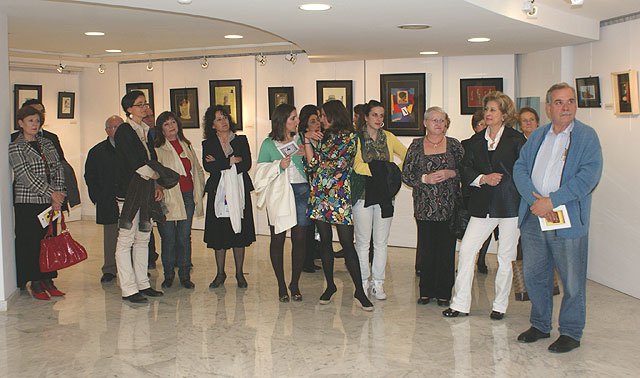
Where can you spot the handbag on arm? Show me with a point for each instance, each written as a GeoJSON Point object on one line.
{"type": "Point", "coordinates": [60, 251]}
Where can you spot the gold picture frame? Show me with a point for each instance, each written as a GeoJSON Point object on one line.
{"type": "Point", "coordinates": [625, 92]}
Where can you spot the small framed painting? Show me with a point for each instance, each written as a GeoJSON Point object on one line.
{"type": "Point", "coordinates": [66, 105]}
{"type": "Point", "coordinates": [147, 89]}
{"type": "Point", "coordinates": [22, 93]}
{"type": "Point", "coordinates": [228, 93]}
{"type": "Point", "coordinates": [184, 104]}
{"type": "Point", "coordinates": [404, 101]}
{"type": "Point", "coordinates": [342, 90]}
{"type": "Point", "coordinates": [472, 91]}
{"type": "Point", "coordinates": [625, 92]}
{"type": "Point", "coordinates": [588, 89]}
{"type": "Point", "coordinates": [279, 95]}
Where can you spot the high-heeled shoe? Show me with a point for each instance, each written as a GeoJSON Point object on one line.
{"type": "Point", "coordinates": [295, 294]}
{"type": "Point", "coordinates": [364, 302]}
{"type": "Point", "coordinates": [38, 291]}
{"type": "Point", "coordinates": [218, 281]}
{"type": "Point", "coordinates": [51, 288]}
{"type": "Point", "coordinates": [325, 298]}
{"type": "Point", "coordinates": [242, 283]}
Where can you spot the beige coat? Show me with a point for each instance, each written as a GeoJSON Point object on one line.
{"type": "Point", "coordinates": [168, 157]}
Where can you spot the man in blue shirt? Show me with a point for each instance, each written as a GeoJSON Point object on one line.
{"type": "Point", "coordinates": [560, 164]}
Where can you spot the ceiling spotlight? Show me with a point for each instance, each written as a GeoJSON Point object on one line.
{"type": "Point", "coordinates": [204, 63]}
{"type": "Point", "coordinates": [113, 50]}
{"type": "Point", "coordinates": [414, 26]}
{"type": "Point", "coordinates": [315, 7]}
{"type": "Point", "coordinates": [150, 65]}
{"type": "Point", "coordinates": [479, 39]}
{"type": "Point", "coordinates": [291, 57]}
{"type": "Point", "coordinates": [233, 36]}
{"type": "Point", "coordinates": [60, 67]}
{"type": "Point", "coordinates": [101, 69]}
{"type": "Point", "coordinates": [428, 53]}
{"type": "Point", "coordinates": [94, 33]}
{"type": "Point", "coordinates": [577, 2]}
{"type": "Point", "coordinates": [184, 2]}
{"type": "Point", "coordinates": [262, 59]}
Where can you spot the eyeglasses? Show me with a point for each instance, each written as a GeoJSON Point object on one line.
{"type": "Point", "coordinates": [143, 105]}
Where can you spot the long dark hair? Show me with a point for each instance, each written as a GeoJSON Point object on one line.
{"type": "Point", "coordinates": [162, 118]}
{"type": "Point", "coordinates": [279, 122]}
{"type": "Point", "coordinates": [305, 113]}
{"type": "Point", "coordinates": [210, 116]}
{"type": "Point", "coordinates": [338, 117]}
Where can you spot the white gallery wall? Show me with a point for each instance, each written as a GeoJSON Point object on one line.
{"type": "Point", "coordinates": [613, 254]}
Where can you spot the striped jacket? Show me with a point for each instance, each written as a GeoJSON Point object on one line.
{"type": "Point", "coordinates": [30, 175]}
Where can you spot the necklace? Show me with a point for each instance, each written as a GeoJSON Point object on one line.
{"type": "Point", "coordinates": [435, 145]}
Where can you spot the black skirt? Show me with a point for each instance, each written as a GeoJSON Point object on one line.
{"type": "Point", "coordinates": [218, 233]}
{"type": "Point", "coordinates": [29, 232]}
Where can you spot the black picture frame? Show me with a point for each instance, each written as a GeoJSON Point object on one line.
{"type": "Point", "coordinates": [147, 89]}
{"type": "Point", "coordinates": [279, 95]}
{"type": "Point", "coordinates": [588, 91]}
{"type": "Point", "coordinates": [327, 90]}
{"type": "Point", "coordinates": [66, 105]}
{"type": "Point", "coordinates": [404, 101]}
{"type": "Point", "coordinates": [184, 104]}
{"type": "Point", "coordinates": [473, 90]}
{"type": "Point", "coordinates": [228, 93]}
{"type": "Point", "coordinates": [22, 93]}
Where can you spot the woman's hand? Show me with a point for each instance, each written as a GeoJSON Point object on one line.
{"type": "Point", "coordinates": [492, 179]}
{"type": "Point", "coordinates": [315, 135]}
{"type": "Point", "coordinates": [284, 163]}
{"type": "Point", "coordinates": [57, 198]}
{"type": "Point", "coordinates": [159, 194]}
{"type": "Point", "coordinates": [209, 159]}
{"type": "Point", "coordinates": [235, 159]}
{"type": "Point", "coordinates": [438, 176]}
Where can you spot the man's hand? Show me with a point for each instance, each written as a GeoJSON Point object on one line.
{"type": "Point", "coordinates": [543, 207]}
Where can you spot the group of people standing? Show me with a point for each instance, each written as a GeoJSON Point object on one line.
{"type": "Point", "coordinates": [332, 170]}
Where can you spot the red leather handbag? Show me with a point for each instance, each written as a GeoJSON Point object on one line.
{"type": "Point", "coordinates": [60, 251]}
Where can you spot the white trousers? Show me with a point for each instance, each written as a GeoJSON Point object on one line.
{"type": "Point", "coordinates": [132, 262]}
{"type": "Point", "coordinates": [477, 232]}
{"type": "Point", "coordinates": [368, 220]}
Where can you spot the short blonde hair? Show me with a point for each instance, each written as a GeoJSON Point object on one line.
{"type": "Point", "coordinates": [505, 104]}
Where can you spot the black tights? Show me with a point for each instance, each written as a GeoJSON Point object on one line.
{"type": "Point", "coordinates": [238, 256]}
{"type": "Point", "coordinates": [345, 235]}
{"type": "Point", "coordinates": [276, 252]}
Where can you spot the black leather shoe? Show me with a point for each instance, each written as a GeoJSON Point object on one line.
{"type": "Point", "coordinates": [107, 277]}
{"type": "Point", "coordinates": [483, 269]}
{"type": "Point", "coordinates": [449, 313]}
{"type": "Point", "coordinates": [495, 315]}
{"type": "Point", "coordinates": [284, 298]}
{"type": "Point", "coordinates": [532, 335]}
{"type": "Point", "coordinates": [187, 284]}
{"type": "Point", "coordinates": [135, 298]}
{"type": "Point", "coordinates": [424, 300]}
{"type": "Point", "coordinates": [150, 292]}
{"type": "Point", "coordinates": [444, 302]}
{"type": "Point", "coordinates": [218, 281]}
{"type": "Point", "coordinates": [167, 283]}
{"type": "Point", "coordinates": [564, 344]}
{"type": "Point", "coordinates": [242, 283]}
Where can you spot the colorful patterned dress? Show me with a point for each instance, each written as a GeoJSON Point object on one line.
{"type": "Point", "coordinates": [332, 162]}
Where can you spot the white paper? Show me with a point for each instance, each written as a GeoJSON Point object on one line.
{"type": "Point", "coordinates": [289, 148]}
{"type": "Point", "coordinates": [564, 220]}
{"type": "Point", "coordinates": [43, 217]}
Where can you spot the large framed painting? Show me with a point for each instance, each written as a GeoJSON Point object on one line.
{"type": "Point", "coordinates": [279, 95]}
{"type": "Point", "coordinates": [472, 91]}
{"type": "Point", "coordinates": [342, 90]}
{"type": "Point", "coordinates": [184, 104]}
{"type": "Point", "coordinates": [22, 93]}
{"type": "Point", "coordinates": [228, 93]}
{"type": "Point", "coordinates": [66, 105]}
{"type": "Point", "coordinates": [588, 89]}
{"type": "Point", "coordinates": [625, 92]}
{"type": "Point", "coordinates": [147, 89]}
{"type": "Point", "coordinates": [403, 97]}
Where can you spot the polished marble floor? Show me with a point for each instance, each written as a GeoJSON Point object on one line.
{"type": "Point", "coordinates": [231, 332]}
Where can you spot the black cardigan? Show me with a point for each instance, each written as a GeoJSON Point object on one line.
{"type": "Point", "coordinates": [213, 147]}
{"type": "Point", "coordinates": [130, 155]}
{"type": "Point", "coordinates": [503, 200]}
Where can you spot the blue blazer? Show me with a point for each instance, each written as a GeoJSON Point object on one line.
{"type": "Point", "coordinates": [581, 173]}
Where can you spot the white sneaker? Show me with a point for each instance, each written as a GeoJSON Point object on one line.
{"type": "Point", "coordinates": [378, 292]}
{"type": "Point", "coordinates": [366, 285]}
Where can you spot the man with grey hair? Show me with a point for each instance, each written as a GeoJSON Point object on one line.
{"type": "Point", "coordinates": [99, 173]}
{"type": "Point", "coordinates": [560, 165]}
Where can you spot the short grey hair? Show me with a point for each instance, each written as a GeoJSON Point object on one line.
{"type": "Point", "coordinates": [435, 109]}
{"type": "Point", "coordinates": [556, 87]}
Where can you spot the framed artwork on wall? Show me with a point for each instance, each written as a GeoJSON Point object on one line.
{"type": "Point", "coordinates": [279, 95]}
{"type": "Point", "coordinates": [22, 93]}
{"type": "Point", "coordinates": [342, 90]}
{"type": "Point", "coordinates": [404, 101]}
{"type": "Point", "coordinates": [588, 91]}
{"type": "Point", "coordinates": [147, 89]}
{"type": "Point", "coordinates": [184, 104]}
{"type": "Point", "coordinates": [472, 91]}
{"type": "Point", "coordinates": [625, 92]}
{"type": "Point", "coordinates": [228, 93]}
{"type": "Point", "coordinates": [66, 105]}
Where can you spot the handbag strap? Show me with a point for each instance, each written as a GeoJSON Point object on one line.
{"type": "Point", "coordinates": [63, 225]}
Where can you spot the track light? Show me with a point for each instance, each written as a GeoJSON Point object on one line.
{"type": "Point", "coordinates": [150, 65]}
{"type": "Point", "coordinates": [60, 67]}
{"type": "Point", "coordinates": [529, 8]}
{"type": "Point", "coordinates": [262, 59]}
{"type": "Point", "coordinates": [204, 63]}
{"type": "Point", "coordinates": [101, 69]}
{"type": "Point", "coordinates": [291, 57]}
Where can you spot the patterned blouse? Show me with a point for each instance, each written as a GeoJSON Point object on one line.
{"type": "Point", "coordinates": [433, 202]}
{"type": "Point", "coordinates": [332, 163]}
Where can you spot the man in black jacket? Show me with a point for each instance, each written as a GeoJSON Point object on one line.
{"type": "Point", "coordinates": [99, 174]}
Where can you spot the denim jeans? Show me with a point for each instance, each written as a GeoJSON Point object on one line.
{"type": "Point", "coordinates": [176, 242]}
{"type": "Point", "coordinates": [542, 251]}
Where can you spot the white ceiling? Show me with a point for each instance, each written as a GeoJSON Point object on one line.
{"type": "Point", "coordinates": [351, 30]}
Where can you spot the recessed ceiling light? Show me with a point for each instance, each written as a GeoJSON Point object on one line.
{"type": "Point", "coordinates": [414, 26]}
{"type": "Point", "coordinates": [233, 36]}
{"type": "Point", "coordinates": [94, 33]}
{"type": "Point", "coordinates": [113, 51]}
{"type": "Point", "coordinates": [479, 39]}
{"type": "Point", "coordinates": [428, 53]}
{"type": "Point", "coordinates": [315, 7]}
{"type": "Point", "coordinates": [184, 2]}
